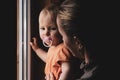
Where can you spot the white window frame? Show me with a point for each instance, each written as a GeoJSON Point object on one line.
{"type": "Point", "coordinates": [23, 39]}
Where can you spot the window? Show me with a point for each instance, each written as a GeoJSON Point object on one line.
{"type": "Point", "coordinates": [23, 37]}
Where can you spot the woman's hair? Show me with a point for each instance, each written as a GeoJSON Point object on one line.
{"type": "Point", "coordinates": [69, 15]}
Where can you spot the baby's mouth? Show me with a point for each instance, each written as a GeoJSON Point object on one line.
{"type": "Point", "coordinates": [47, 41]}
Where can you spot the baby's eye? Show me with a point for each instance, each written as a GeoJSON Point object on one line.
{"type": "Point", "coordinates": [42, 28]}
{"type": "Point", "coordinates": [53, 28]}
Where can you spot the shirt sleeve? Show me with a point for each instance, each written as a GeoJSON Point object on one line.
{"type": "Point", "coordinates": [63, 55]}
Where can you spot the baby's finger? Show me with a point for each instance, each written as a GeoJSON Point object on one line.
{"type": "Point", "coordinates": [31, 43]}
{"type": "Point", "coordinates": [47, 77]}
{"type": "Point", "coordinates": [34, 40]}
{"type": "Point", "coordinates": [51, 76]}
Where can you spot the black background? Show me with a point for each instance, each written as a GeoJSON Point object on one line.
{"type": "Point", "coordinates": [100, 16]}
{"type": "Point", "coordinates": [8, 39]}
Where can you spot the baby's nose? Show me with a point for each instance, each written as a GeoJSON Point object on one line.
{"type": "Point", "coordinates": [47, 32]}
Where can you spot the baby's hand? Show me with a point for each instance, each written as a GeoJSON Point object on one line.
{"type": "Point", "coordinates": [49, 77]}
{"type": "Point", "coordinates": [34, 44]}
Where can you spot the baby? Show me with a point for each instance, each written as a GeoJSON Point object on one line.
{"type": "Point", "coordinates": [59, 60]}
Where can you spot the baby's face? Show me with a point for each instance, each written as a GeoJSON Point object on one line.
{"type": "Point", "coordinates": [48, 30]}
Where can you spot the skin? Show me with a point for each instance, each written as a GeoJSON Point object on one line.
{"type": "Point", "coordinates": [48, 28]}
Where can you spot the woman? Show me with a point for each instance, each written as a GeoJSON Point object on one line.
{"type": "Point", "coordinates": [69, 25]}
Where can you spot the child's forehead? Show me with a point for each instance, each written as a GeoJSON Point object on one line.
{"type": "Point", "coordinates": [46, 19]}
{"type": "Point", "coordinates": [46, 14]}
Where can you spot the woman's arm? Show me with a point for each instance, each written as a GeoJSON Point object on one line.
{"type": "Point", "coordinates": [65, 75]}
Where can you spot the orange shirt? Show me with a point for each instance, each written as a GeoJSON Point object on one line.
{"type": "Point", "coordinates": [55, 56]}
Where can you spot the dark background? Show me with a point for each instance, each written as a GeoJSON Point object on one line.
{"type": "Point", "coordinates": [101, 20]}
